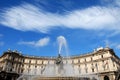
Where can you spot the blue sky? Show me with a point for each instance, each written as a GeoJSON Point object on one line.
{"type": "Point", "coordinates": [33, 26]}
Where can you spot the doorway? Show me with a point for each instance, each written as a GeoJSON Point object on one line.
{"type": "Point", "coordinates": [106, 78]}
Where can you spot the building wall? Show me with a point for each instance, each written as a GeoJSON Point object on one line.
{"type": "Point", "coordinates": [102, 62]}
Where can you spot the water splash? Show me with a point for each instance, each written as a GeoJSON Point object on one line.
{"type": "Point", "coordinates": [62, 43]}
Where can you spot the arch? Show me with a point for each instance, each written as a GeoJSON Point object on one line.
{"type": "Point", "coordinates": [118, 77]}
{"type": "Point", "coordinates": [118, 74]}
{"type": "Point", "coordinates": [106, 78]}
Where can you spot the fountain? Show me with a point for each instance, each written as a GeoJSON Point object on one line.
{"type": "Point", "coordinates": [56, 71]}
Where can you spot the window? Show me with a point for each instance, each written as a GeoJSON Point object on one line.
{"type": "Point", "coordinates": [23, 60]}
{"type": "Point", "coordinates": [86, 70]}
{"type": "Point", "coordinates": [85, 59]}
{"type": "Point", "coordinates": [78, 60]}
{"type": "Point", "coordinates": [113, 64]}
{"type": "Point", "coordinates": [101, 56]}
{"type": "Point", "coordinates": [92, 65]}
{"type": "Point", "coordinates": [79, 69]}
{"type": "Point", "coordinates": [10, 69]}
{"type": "Point", "coordinates": [29, 66]}
{"type": "Point", "coordinates": [22, 71]}
{"type": "Point", "coordinates": [103, 61]}
{"type": "Point", "coordinates": [85, 65]}
{"type": "Point", "coordinates": [92, 69]}
{"type": "Point", "coordinates": [12, 63]}
{"type": "Point", "coordinates": [29, 61]}
{"type": "Point", "coordinates": [103, 65]}
{"type": "Point", "coordinates": [91, 58]}
{"type": "Point", "coordinates": [13, 58]}
{"type": "Point", "coordinates": [96, 65]}
{"type": "Point", "coordinates": [36, 62]}
{"type": "Point", "coordinates": [42, 62]}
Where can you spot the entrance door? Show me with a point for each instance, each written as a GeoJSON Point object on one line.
{"type": "Point", "coordinates": [9, 77]}
{"type": "Point", "coordinates": [106, 78]}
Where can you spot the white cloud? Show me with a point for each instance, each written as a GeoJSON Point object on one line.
{"type": "Point", "coordinates": [30, 18]}
{"type": "Point", "coordinates": [43, 42]}
{"type": "Point", "coordinates": [40, 43]}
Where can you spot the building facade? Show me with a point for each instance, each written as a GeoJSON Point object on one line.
{"type": "Point", "coordinates": [102, 62]}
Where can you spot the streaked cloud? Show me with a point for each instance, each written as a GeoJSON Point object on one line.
{"type": "Point", "coordinates": [27, 17]}
{"type": "Point", "coordinates": [40, 43]}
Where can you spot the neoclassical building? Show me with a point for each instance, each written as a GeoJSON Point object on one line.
{"type": "Point", "coordinates": [102, 62]}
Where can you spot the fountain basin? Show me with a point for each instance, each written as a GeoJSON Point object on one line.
{"type": "Point", "coordinates": [61, 78]}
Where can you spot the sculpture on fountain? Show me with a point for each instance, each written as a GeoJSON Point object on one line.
{"type": "Point", "coordinates": [59, 60]}
{"type": "Point", "coordinates": [59, 65]}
